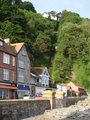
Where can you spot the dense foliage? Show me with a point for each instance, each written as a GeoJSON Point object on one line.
{"type": "Point", "coordinates": [20, 22]}
{"type": "Point", "coordinates": [72, 60]}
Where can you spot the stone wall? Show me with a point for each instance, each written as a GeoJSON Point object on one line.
{"type": "Point", "coordinates": [65, 102]}
{"type": "Point", "coordinates": [20, 109]}
{"type": "Point", "coordinates": [73, 100]}
{"type": "Point", "coordinates": [57, 99]}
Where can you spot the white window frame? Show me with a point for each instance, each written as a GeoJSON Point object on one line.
{"type": "Point", "coordinates": [13, 61]}
{"type": "Point", "coordinates": [6, 58]}
{"type": "Point", "coordinates": [6, 74]}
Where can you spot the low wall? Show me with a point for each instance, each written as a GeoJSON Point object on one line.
{"type": "Point", "coordinates": [73, 100]}
{"type": "Point", "coordinates": [20, 109]}
{"type": "Point", "coordinates": [65, 102]}
{"type": "Point", "coordinates": [57, 99]}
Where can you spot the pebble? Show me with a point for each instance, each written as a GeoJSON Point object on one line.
{"type": "Point", "coordinates": [79, 111]}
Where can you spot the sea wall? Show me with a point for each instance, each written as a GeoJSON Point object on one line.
{"type": "Point", "coordinates": [20, 109]}
{"type": "Point", "coordinates": [73, 100]}
{"type": "Point", "coordinates": [65, 102]}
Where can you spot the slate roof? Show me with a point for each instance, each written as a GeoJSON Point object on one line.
{"type": "Point", "coordinates": [37, 70]}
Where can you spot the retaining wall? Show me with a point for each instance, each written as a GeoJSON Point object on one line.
{"type": "Point", "coordinates": [65, 102]}
{"type": "Point", "coordinates": [73, 100]}
{"type": "Point", "coordinates": [20, 109]}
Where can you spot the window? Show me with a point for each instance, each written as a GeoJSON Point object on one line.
{"type": "Point", "coordinates": [46, 73]}
{"type": "Point", "coordinates": [6, 58]}
{"type": "Point", "coordinates": [13, 61]}
{"type": "Point", "coordinates": [21, 64]}
{"type": "Point", "coordinates": [6, 74]}
{"type": "Point", "coordinates": [1, 43]}
{"type": "Point", "coordinates": [4, 94]}
{"type": "Point", "coordinates": [24, 52]}
{"type": "Point", "coordinates": [20, 77]}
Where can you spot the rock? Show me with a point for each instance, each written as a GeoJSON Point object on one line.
{"type": "Point", "coordinates": [79, 111]}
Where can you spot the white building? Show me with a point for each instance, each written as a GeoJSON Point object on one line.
{"type": "Point", "coordinates": [46, 15]}
{"type": "Point", "coordinates": [62, 88]}
{"type": "Point", "coordinates": [39, 78]}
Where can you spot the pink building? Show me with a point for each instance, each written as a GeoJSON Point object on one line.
{"type": "Point", "coordinates": [76, 88]}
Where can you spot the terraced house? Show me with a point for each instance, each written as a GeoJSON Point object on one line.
{"type": "Point", "coordinates": [40, 78]}
{"type": "Point", "coordinates": [23, 70]}
{"type": "Point", "coordinates": [7, 71]}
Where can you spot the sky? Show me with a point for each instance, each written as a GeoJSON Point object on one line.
{"type": "Point", "coordinates": [82, 7]}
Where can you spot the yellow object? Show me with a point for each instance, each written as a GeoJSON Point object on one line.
{"type": "Point", "coordinates": [48, 92]}
{"type": "Point", "coordinates": [60, 93]}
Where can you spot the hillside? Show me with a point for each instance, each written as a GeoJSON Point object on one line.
{"type": "Point", "coordinates": [72, 59]}
{"type": "Point", "coordinates": [20, 22]}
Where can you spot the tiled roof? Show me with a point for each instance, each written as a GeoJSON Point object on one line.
{"type": "Point", "coordinates": [17, 46]}
{"type": "Point", "coordinates": [74, 84]}
{"type": "Point", "coordinates": [8, 49]}
{"type": "Point", "coordinates": [37, 70]}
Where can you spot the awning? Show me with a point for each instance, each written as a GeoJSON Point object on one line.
{"type": "Point", "coordinates": [8, 87]}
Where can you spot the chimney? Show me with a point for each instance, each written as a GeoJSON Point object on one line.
{"type": "Point", "coordinates": [7, 40]}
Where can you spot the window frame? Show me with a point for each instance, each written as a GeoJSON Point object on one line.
{"type": "Point", "coordinates": [6, 58]}
{"type": "Point", "coordinates": [5, 74]}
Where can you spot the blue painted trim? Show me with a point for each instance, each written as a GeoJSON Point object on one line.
{"type": "Point", "coordinates": [23, 87]}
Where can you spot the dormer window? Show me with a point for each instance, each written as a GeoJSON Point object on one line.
{"type": "Point", "coordinates": [1, 43]}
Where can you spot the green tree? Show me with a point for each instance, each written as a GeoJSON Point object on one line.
{"type": "Point", "coordinates": [68, 16]}
{"type": "Point", "coordinates": [73, 50]}
{"type": "Point", "coordinates": [27, 6]}
{"type": "Point", "coordinates": [12, 31]}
